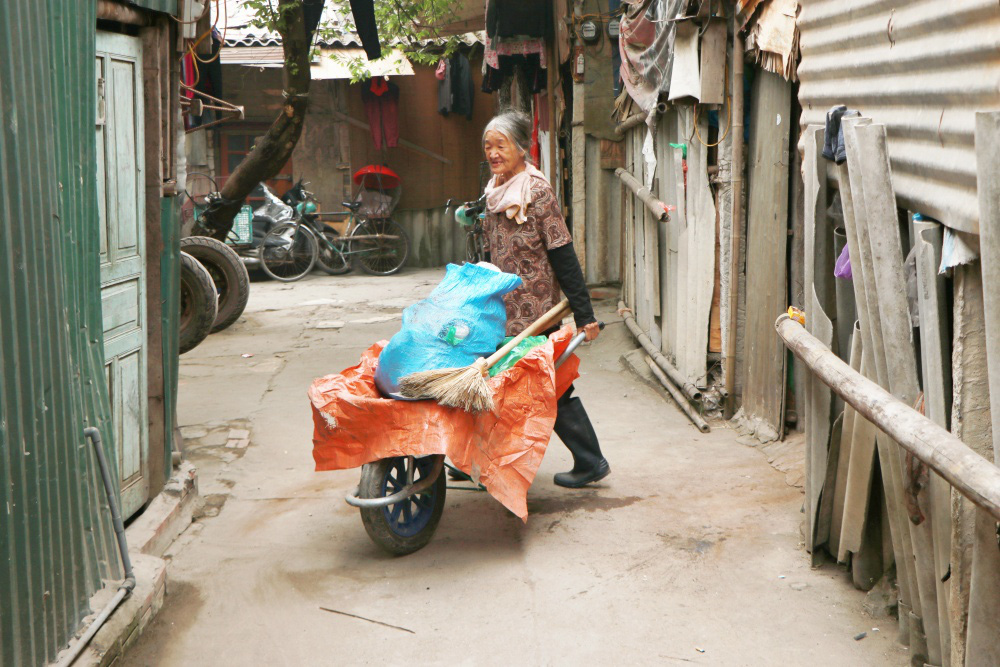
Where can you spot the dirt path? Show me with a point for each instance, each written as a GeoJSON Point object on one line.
{"type": "Point", "coordinates": [688, 553]}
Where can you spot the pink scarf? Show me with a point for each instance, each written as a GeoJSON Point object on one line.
{"type": "Point", "coordinates": [512, 197]}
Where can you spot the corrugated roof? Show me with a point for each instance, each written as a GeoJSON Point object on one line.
{"type": "Point", "coordinates": [922, 69]}
{"type": "Point", "coordinates": [236, 25]}
{"type": "Point", "coordinates": [240, 33]}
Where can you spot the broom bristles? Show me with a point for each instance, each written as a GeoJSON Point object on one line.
{"type": "Point", "coordinates": [466, 388]}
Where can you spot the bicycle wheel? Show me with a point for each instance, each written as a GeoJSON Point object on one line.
{"type": "Point", "coordinates": [331, 257]}
{"type": "Point", "coordinates": [288, 252]}
{"type": "Point", "coordinates": [382, 248]}
{"type": "Point", "coordinates": [474, 247]}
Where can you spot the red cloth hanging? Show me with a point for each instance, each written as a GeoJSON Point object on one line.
{"type": "Point", "coordinates": [536, 150]}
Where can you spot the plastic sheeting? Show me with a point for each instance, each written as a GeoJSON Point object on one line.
{"type": "Point", "coordinates": [462, 319]}
{"type": "Point", "coordinates": [646, 43]}
{"type": "Point", "coordinates": [354, 425]}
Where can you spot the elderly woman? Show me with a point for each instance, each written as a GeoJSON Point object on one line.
{"type": "Point", "coordinates": [527, 235]}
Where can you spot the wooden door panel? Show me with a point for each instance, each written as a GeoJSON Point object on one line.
{"type": "Point", "coordinates": [122, 220]}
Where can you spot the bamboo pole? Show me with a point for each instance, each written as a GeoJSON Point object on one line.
{"type": "Point", "coordinates": [655, 206]}
{"type": "Point", "coordinates": [678, 397]}
{"type": "Point", "coordinates": [361, 125]}
{"type": "Point", "coordinates": [736, 168]}
{"type": "Point", "coordinates": [675, 376]}
{"type": "Point", "coordinates": [969, 473]}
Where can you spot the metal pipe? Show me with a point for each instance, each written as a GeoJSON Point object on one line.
{"type": "Point", "coordinates": [637, 120]}
{"type": "Point", "coordinates": [969, 473]}
{"type": "Point", "coordinates": [691, 391]}
{"type": "Point", "coordinates": [128, 584]}
{"type": "Point", "coordinates": [736, 167]}
{"type": "Point", "coordinates": [401, 495]}
{"type": "Point", "coordinates": [659, 210]}
{"type": "Point", "coordinates": [675, 394]}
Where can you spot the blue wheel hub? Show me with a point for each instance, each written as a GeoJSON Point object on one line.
{"type": "Point", "coordinates": [411, 515]}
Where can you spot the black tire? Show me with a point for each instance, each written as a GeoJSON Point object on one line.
{"type": "Point", "coordinates": [230, 276]}
{"type": "Point", "coordinates": [332, 260]}
{"type": "Point", "coordinates": [288, 252]}
{"type": "Point", "coordinates": [199, 303]}
{"type": "Point", "coordinates": [377, 520]}
{"type": "Point", "coordinates": [380, 257]}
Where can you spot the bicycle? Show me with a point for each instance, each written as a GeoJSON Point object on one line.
{"type": "Point", "coordinates": [471, 215]}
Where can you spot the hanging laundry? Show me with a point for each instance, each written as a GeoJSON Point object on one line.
{"type": "Point", "coordinates": [367, 29]}
{"type": "Point", "coordinates": [463, 89]}
{"type": "Point", "coordinates": [518, 18]}
{"type": "Point", "coordinates": [534, 73]}
{"type": "Point", "coordinates": [381, 99]}
{"type": "Point", "coordinates": [494, 49]}
{"type": "Point", "coordinates": [442, 67]}
{"type": "Point", "coordinates": [445, 93]}
{"type": "Point", "coordinates": [833, 139]}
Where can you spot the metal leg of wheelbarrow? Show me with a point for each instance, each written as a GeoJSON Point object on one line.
{"type": "Point", "coordinates": [459, 476]}
{"type": "Point", "coordinates": [410, 489]}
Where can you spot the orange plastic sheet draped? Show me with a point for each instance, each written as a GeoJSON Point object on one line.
{"type": "Point", "coordinates": [354, 425]}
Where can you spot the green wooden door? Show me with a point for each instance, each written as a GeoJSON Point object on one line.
{"type": "Point", "coordinates": [121, 201]}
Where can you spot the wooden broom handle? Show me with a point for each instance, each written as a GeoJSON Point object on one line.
{"type": "Point", "coordinates": [556, 313]}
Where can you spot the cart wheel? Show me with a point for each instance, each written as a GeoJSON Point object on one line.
{"type": "Point", "coordinates": [408, 525]}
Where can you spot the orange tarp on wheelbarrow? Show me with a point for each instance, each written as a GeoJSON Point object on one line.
{"type": "Point", "coordinates": [354, 425]}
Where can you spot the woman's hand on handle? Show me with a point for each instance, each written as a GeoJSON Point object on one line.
{"type": "Point", "coordinates": [592, 330]}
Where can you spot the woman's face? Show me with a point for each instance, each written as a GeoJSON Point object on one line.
{"type": "Point", "coordinates": [503, 155]}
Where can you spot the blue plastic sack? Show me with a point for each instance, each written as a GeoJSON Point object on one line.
{"type": "Point", "coordinates": [463, 319]}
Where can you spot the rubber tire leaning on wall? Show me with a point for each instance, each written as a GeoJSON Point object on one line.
{"type": "Point", "coordinates": [231, 278]}
{"type": "Point", "coordinates": [199, 303]}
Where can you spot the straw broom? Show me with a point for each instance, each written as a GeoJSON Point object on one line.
{"type": "Point", "coordinates": [467, 387]}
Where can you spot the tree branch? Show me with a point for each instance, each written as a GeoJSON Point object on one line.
{"type": "Point", "coordinates": [272, 151]}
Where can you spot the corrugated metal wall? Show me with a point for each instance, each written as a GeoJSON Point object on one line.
{"type": "Point", "coordinates": [922, 68]}
{"type": "Point", "coordinates": [54, 540]}
{"type": "Point", "coordinates": [435, 237]}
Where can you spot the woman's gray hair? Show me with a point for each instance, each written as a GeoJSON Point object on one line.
{"type": "Point", "coordinates": [515, 125]}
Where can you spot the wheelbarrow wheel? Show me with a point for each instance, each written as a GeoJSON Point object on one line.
{"type": "Point", "coordinates": [408, 525]}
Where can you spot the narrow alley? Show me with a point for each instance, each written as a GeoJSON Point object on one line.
{"type": "Point", "coordinates": [690, 552]}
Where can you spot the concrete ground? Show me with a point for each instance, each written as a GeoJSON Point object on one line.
{"type": "Point", "coordinates": [690, 552]}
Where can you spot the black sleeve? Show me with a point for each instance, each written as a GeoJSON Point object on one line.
{"type": "Point", "coordinates": [566, 266]}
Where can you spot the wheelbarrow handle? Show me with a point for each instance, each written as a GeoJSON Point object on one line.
{"type": "Point", "coordinates": [573, 344]}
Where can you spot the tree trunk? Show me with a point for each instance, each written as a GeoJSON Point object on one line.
{"type": "Point", "coordinates": [273, 150]}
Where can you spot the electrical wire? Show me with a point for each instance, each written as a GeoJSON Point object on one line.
{"type": "Point", "coordinates": [729, 114]}
{"type": "Point", "coordinates": [204, 11]}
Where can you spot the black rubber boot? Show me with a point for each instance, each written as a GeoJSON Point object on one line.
{"type": "Point", "coordinates": [575, 430]}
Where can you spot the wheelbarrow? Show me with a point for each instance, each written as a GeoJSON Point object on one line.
{"type": "Point", "coordinates": [402, 498]}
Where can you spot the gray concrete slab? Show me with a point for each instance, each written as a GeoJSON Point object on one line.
{"type": "Point", "coordinates": [690, 551]}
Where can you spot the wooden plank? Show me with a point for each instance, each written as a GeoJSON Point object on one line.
{"type": "Point", "coordinates": [713, 63]}
{"type": "Point", "coordinates": [701, 223]}
{"type": "Point", "coordinates": [767, 227]}
{"type": "Point", "coordinates": [857, 232]}
{"type": "Point", "coordinates": [935, 358]}
{"type": "Point", "coordinates": [971, 421]}
{"type": "Point", "coordinates": [160, 433]}
{"type": "Point", "coordinates": [897, 340]}
{"type": "Point", "coordinates": [843, 462]}
{"type": "Point", "coordinates": [983, 645]}
{"type": "Point", "coordinates": [667, 123]}
{"type": "Point", "coordinates": [818, 405]}
{"type": "Point", "coordinates": [860, 469]}
{"type": "Point", "coordinates": [579, 175]}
